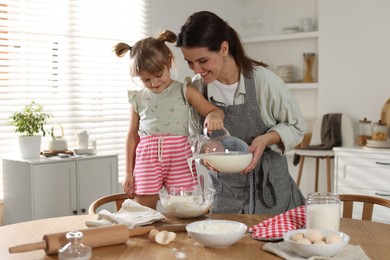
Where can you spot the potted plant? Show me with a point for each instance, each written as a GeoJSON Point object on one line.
{"type": "Point", "coordinates": [29, 123]}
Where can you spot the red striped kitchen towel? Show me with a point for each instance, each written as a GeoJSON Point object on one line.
{"type": "Point", "coordinates": [274, 228]}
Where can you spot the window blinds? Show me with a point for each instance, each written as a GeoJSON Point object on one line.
{"type": "Point", "coordinates": [59, 54]}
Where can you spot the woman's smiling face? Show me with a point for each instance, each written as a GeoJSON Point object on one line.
{"type": "Point", "coordinates": [207, 64]}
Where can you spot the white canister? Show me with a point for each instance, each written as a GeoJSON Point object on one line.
{"type": "Point", "coordinates": [323, 211]}
{"type": "Point", "coordinates": [82, 139]}
{"type": "Point", "coordinates": [307, 24]}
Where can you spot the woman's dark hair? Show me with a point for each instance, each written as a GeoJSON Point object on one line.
{"type": "Point", "coordinates": [206, 29]}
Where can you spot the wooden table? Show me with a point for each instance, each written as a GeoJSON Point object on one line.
{"type": "Point", "coordinates": [373, 237]}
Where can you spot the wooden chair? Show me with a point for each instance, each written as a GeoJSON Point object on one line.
{"type": "Point", "coordinates": [368, 204]}
{"type": "Point", "coordinates": [347, 137]}
{"type": "Point", "coordinates": [118, 199]}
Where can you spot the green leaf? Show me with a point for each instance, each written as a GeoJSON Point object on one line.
{"type": "Point", "coordinates": [31, 120]}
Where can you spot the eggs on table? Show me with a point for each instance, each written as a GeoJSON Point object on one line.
{"type": "Point", "coordinates": [315, 236]}
{"type": "Point", "coordinates": [316, 242]}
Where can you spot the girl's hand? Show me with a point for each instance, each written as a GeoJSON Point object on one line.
{"type": "Point", "coordinates": [128, 184]}
{"type": "Point", "coordinates": [214, 120]}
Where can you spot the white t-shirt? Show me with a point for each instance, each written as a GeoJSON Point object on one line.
{"type": "Point", "coordinates": [226, 92]}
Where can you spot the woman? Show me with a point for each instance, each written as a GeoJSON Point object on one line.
{"type": "Point", "coordinates": [259, 109]}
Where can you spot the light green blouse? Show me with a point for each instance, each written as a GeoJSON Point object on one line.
{"type": "Point", "coordinates": [162, 113]}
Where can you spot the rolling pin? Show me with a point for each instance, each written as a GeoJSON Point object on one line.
{"type": "Point", "coordinates": [94, 237]}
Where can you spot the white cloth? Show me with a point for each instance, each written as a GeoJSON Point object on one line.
{"type": "Point", "coordinates": [282, 250]}
{"type": "Point", "coordinates": [131, 214]}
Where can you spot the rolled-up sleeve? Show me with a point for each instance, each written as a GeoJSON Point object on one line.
{"type": "Point", "coordinates": [279, 110]}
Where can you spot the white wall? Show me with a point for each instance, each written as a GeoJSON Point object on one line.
{"type": "Point", "coordinates": [355, 57]}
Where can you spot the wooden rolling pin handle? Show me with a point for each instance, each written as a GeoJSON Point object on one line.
{"type": "Point", "coordinates": [93, 237]}
{"type": "Point", "coordinates": [28, 247]}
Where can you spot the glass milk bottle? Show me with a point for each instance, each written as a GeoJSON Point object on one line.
{"type": "Point", "coordinates": [323, 211]}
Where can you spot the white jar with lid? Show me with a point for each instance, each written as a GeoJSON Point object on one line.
{"type": "Point", "coordinates": [364, 132]}
{"type": "Point", "coordinates": [323, 211]}
{"type": "Point", "coordinates": [379, 131]}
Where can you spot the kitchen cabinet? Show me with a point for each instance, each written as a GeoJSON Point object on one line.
{"type": "Point", "coordinates": [52, 187]}
{"type": "Point", "coordinates": [364, 171]}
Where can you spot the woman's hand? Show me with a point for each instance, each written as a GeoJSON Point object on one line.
{"type": "Point", "coordinates": [128, 184]}
{"type": "Point", "coordinates": [208, 166]}
{"type": "Point", "coordinates": [259, 144]}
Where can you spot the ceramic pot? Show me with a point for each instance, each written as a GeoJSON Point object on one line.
{"type": "Point", "coordinates": [30, 146]}
{"type": "Point", "coordinates": [58, 143]}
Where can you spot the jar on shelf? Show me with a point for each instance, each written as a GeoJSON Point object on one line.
{"type": "Point", "coordinates": [379, 131]}
{"type": "Point", "coordinates": [286, 73]}
{"type": "Point", "coordinates": [308, 58]}
{"type": "Point", "coordinates": [364, 132]}
{"type": "Point", "coordinates": [323, 211]}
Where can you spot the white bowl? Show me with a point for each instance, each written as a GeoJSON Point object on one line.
{"type": "Point", "coordinates": [216, 233]}
{"type": "Point", "coordinates": [186, 202]}
{"type": "Point", "coordinates": [231, 162]}
{"type": "Point", "coordinates": [309, 250]}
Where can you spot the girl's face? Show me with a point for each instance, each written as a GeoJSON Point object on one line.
{"type": "Point", "coordinates": [204, 62]}
{"type": "Point", "coordinates": [156, 82]}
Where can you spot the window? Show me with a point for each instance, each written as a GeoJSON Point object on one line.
{"type": "Point", "coordinates": [60, 55]}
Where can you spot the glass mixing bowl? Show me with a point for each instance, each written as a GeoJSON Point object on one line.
{"type": "Point", "coordinates": [225, 153]}
{"type": "Point", "coordinates": [187, 202]}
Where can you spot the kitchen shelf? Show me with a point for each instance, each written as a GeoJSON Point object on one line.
{"type": "Point", "coordinates": [302, 86]}
{"type": "Point", "coordinates": [281, 37]}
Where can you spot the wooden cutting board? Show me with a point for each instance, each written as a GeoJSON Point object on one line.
{"type": "Point", "coordinates": [48, 153]}
{"type": "Point", "coordinates": [385, 116]}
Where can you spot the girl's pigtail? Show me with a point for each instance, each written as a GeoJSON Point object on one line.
{"type": "Point", "coordinates": [167, 36]}
{"type": "Point", "coordinates": [121, 49]}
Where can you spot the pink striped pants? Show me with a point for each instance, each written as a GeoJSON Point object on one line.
{"type": "Point", "coordinates": [162, 160]}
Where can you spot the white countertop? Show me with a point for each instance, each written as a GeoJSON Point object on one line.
{"type": "Point", "coordinates": [362, 149]}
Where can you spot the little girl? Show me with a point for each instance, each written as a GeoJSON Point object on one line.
{"type": "Point", "coordinates": [157, 147]}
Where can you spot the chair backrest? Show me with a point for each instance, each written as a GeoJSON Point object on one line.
{"type": "Point", "coordinates": [117, 199]}
{"type": "Point", "coordinates": [347, 131]}
{"type": "Point", "coordinates": [368, 204]}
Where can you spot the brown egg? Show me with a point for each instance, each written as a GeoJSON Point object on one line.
{"type": "Point", "coordinates": [304, 241]}
{"type": "Point", "coordinates": [295, 237]}
{"type": "Point", "coordinates": [314, 235]}
{"type": "Point", "coordinates": [331, 239]}
{"type": "Point", "coordinates": [319, 242]}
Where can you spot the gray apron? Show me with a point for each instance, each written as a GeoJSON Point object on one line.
{"type": "Point", "coordinates": [269, 188]}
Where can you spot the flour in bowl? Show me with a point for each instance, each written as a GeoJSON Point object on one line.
{"type": "Point", "coordinates": [216, 227]}
{"type": "Point", "coordinates": [186, 206]}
